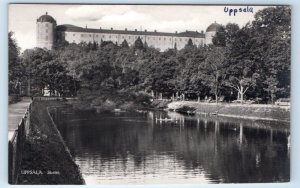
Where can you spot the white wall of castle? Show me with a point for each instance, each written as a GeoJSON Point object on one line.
{"type": "Point", "coordinates": [45, 34]}
{"type": "Point", "coordinates": [209, 36]}
{"type": "Point", "coordinates": [161, 42]}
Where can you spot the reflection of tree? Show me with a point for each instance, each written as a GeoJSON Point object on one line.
{"type": "Point", "coordinates": [211, 147]}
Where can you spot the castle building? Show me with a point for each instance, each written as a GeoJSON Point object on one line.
{"type": "Point", "coordinates": [48, 33]}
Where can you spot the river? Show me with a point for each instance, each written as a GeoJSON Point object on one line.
{"type": "Point", "coordinates": [166, 147]}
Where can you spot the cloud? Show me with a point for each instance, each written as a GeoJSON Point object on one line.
{"type": "Point", "coordinates": [94, 12]}
{"type": "Point", "coordinates": [128, 20]}
{"type": "Point", "coordinates": [160, 17]}
{"type": "Point", "coordinates": [25, 40]}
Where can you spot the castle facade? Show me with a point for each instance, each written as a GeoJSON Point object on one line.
{"type": "Point", "coordinates": [48, 33]}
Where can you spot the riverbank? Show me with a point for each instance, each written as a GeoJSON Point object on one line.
{"type": "Point", "coordinates": [110, 106]}
{"type": "Point", "coordinates": [46, 159]}
{"type": "Point", "coordinates": [253, 111]}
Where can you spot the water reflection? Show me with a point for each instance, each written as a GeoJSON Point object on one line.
{"type": "Point", "coordinates": [160, 147]}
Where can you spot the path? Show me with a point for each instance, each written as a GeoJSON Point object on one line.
{"type": "Point", "coordinates": [15, 114]}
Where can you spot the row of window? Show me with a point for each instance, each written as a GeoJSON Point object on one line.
{"type": "Point", "coordinates": [135, 37]}
{"type": "Point", "coordinates": [128, 42]}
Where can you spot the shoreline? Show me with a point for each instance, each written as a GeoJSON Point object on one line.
{"type": "Point", "coordinates": [244, 117]}
{"type": "Point", "coordinates": [239, 111]}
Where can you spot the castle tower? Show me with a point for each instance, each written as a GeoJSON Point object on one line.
{"type": "Point", "coordinates": [46, 31]}
{"type": "Point", "coordinates": [210, 32]}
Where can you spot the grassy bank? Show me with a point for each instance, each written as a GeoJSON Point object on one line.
{"type": "Point", "coordinates": [46, 159]}
{"type": "Point", "coordinates": [254, 111]}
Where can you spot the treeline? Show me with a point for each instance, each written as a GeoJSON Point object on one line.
{"type": "Point", "coordinates": [252, 62]}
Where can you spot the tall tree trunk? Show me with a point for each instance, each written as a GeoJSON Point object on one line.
{"type": "Point", "coordinates": [152, 93]}
{"type": "Point", "coordinates": [28, 88]}
{"type": "Point", "coordinates": [242, 94]}
{"type": "Point", "coordinates": [272, 97]}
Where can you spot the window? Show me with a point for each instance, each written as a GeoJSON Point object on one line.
{"type": "Point", "coordinates": [82, 35]}
{"type": "Point", "coordinates": [73, 41]}
{"type": "Point", "coordinates": [46, 24]}
{"type": "Point", "coordinates": [74, 35]}
{"type": "Point", "coordinates": [165, 38]}
{"type": "Point", "coordinates": [97, 36]}
{"type": "Point", "coordinates": [90, 35]}
{"type": "Point", "coordinates": [46, 30]}
{"type": "Point", "coordinates": [179, 39]}
{"type": "Point", "coordinates": [159, 38]}
{"type": "Point", "coordinates": [46, 37]}
{"type": "Point", "coordinates": [109, 36]}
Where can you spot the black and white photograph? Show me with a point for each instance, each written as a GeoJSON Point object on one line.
{"type": "Point", "coordinates": [148, 94]}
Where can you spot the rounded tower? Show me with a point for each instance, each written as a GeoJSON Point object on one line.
{"type": "Point", "coordinates": [210, 32]}
{"type": "Point", "coordinates": [46, 31]}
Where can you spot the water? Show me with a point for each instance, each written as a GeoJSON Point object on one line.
{"type": "Point", "coordinates": [121, 148]}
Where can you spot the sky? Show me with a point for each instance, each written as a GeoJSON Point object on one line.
{"type": "Point", "coordinates": [164, 18]}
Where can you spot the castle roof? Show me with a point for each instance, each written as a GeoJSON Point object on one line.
{"type": "Point", "coordinates": [73, 28]}
{"type": "Point", "coordinates": [213, 27]}
{"type": "Point", "coordinates": [195, 34]}
{"type": "Point", "coordinates": [46, 18]}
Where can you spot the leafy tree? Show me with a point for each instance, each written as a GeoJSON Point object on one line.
{"type": "Point", "coordinates": [190, 42]}
{"type": "Point", "coordinates": [44, 69]}
{"type": "Point", "coordinates": [271, 33]}
{"type": "Point", "coordinates": [15, 69]}
{"type": "Point", "coordinates": [138, 44]}
{"type": "Point", "coordinates": [220, 38]}
{"type": "Point", "coordinates": [242, 69]}
{"type": "Point", "coordinates": [125, 44]}
{"type": "Point", "coordinates": [214, 70]}
{"type": "Point", "coordinates": [225, 35]}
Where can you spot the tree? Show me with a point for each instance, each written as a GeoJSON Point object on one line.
{"type": "Point", "coordinates": [190, 42]}
{"type": "Point", "coordinates": [271, 33]}
{"type": "Point", "coordinates": [220, 37]}
{"type": "Point", "coordinates": [272, 87]}
{"type": "Point", "coordinates": [15, 69]}
{"type": "Point", "coordinates": [45, 69]}
{"type": "Point", "coordinates": [225, 35]}
{"type": "Point", "coordinates": [242, 68]}
{"type": "Point", "coordinates": [138, 44]}
{"type": "Point", "coordinates": [214, 70]}
{"type": "Point", "coordinates": [125, 44]}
